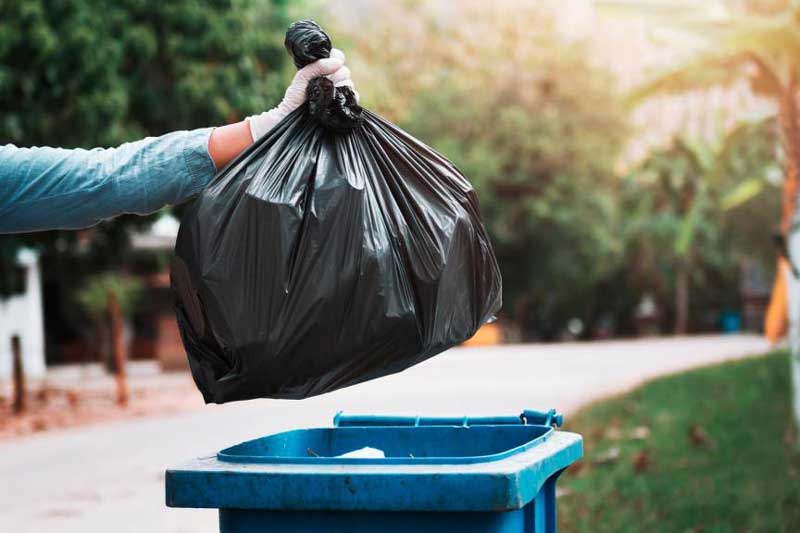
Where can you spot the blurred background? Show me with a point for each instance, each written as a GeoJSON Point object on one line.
{"type": "Point", "coordinates": [630, 158]}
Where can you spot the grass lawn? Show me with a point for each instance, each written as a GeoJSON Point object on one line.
{"type": "Point", "coordinates": [713, 449]}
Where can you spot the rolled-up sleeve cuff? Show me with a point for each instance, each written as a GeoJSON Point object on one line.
{"type": "Point", "coordinates": [198, 160]}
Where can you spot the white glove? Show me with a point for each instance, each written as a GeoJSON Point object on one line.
{"type": "Point", "coordinates": [332, 67]}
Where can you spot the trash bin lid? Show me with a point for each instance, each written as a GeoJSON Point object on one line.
{"type": "Point", "coordinates": [452, 464]}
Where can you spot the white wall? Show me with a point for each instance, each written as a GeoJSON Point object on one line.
{"type": "Point", "coordinates": [22, 315]}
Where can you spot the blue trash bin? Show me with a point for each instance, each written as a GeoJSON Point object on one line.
{"type": "Point", "coordinates": [479, 474]}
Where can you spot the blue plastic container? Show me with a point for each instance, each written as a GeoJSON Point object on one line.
{"type": "Point", "coordinates": [488, 474]}
{"type": "Point", "coordinates": [730, 321]}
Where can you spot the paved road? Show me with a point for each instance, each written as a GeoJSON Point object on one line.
{"type": "Point", "coordinates": [110, 477]}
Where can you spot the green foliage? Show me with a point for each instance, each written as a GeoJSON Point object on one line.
{"type": "Point", "coordinates": [86, 73]}
{"type": "Point", "coordinates": [534, 124]}
{"type": "Point", "coordinates": [95, 295]}
{"type": "Point", "coordinates": [89, 73]}
{"type": "Point", "coordinates": [537, 135]}
{"type": "Point", "coordinates": [538, 128]}
{"type": "Point", "coordinates": [685, 209]}
{"type": "Point", "coordinates": [715, 451]}
{"type": "Point", "coordinates": [742, 193]}
{"type": "Point", "coordinates": [757, 41]}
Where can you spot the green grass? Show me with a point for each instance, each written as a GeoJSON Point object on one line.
{"type": "Point", "coordinates": [744, 477]}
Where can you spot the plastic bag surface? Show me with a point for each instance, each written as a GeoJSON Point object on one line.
{"type": "Point", "coordinates": [335, 250]}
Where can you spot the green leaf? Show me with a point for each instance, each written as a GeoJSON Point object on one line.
{"type": "Point", "coordinates": [689, 225]}
{"type": "Point", "coordinates": [95, 295]}
{"type": "Point", "coordinates": [742, 193]}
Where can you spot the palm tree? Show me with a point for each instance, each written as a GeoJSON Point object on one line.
{"type": "Point", "coordinates": [757, 44]}
{"type": "Point", "coordinates": [684, 192]}
{"type": "Point", "coordinates": [763, 50]}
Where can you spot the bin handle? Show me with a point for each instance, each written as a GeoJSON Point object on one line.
{"type": "Point", "coordinates": [527, 417]}
{"type": "Point", "coordinates": [547, 418]}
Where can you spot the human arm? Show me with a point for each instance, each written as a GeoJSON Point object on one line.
{"type": "Point", "coordinates": [52, 188]}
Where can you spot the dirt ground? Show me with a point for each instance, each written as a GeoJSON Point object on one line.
{"type": "Point", "coordinates": [83, 395]}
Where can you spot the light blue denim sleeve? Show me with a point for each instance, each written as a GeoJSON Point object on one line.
{"type": "Point", "coordinates": [56, 188]}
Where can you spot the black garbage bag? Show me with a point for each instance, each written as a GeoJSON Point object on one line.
{"type": "Point", "coordinates": [335, 250]}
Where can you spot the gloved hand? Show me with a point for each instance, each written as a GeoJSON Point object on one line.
{"type": "Point", "coordinates": [333, 68]}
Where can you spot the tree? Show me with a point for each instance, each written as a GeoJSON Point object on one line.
{"type": "Point", "coordinates": [88, 73]}
{"type": "Point", "coordinates": [758, 42]}
{"type": "Point", "coordinates": [534, 125]}
{"type": "Point", "coordinates": [91, 73]}
{"type": "Point", "coordinates": [109, 299]}
{"type": "Point", "coordinates": [681, 204]}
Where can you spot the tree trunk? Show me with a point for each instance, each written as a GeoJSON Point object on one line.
{"type": "Point", "coordinates": [790, 130]}
{"type": "Point", "coordinates": [118, 349]}
{"type": "Point", "coordinates": [105, 349]}
{"type": "Point", "coordinates": [682, 300]}
{"type": "Point", "coordinates": [18, 405]}
{"type": "Point", "coordinates": [790, 135]}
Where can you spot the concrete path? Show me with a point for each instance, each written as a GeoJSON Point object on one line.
{"type": "Point", "coordinates": [110, 477]}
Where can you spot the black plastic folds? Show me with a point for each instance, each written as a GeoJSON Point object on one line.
{"type": "Point", "coordinates": [329, 254]}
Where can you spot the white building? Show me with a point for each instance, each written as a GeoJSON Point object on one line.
{"type": "Point", "coordinates": [21, 315]}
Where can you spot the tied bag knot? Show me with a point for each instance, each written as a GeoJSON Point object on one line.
{"type": "Point", "coordinates": [335, 108]}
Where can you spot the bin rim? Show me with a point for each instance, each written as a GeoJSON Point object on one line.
{"type": "Point", "coordinates": [543, 421]}
{"type": "Point", "coordinates": [227, 455]}
{"type": "Point", "coordinates": [502, 485]}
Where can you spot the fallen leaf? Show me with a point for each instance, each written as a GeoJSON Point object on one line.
{"type": "Point", "coordinates": [73, 398]}
{"type": "Point", "coordinates": [640, 432]}
{"type": "Point", "coordinates": [641, 461]}
{"type": "Point", "coordinates": [44, 394]}
{"type": "Point", "coordinates": [789, 437]}
{"type": "Point", "coordinates": [609, 456]}
{"type": "Point", "coordinates": [700, 438]}
{"type": "Point", "coordinates": [561, 492]}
